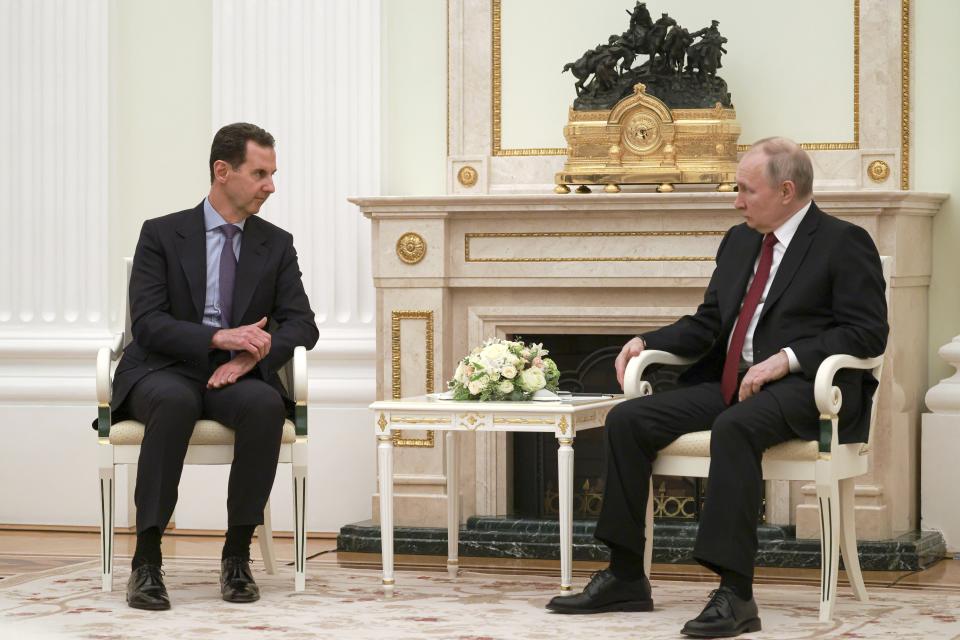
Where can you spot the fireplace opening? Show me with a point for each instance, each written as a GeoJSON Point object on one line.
{"type": "Point", "coordinates": [586, 363]}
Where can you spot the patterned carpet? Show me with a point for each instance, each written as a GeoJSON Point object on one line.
{"type": "Point", "coordinates": [341, 603]}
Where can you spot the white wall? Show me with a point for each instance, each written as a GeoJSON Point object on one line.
{"type": "Point", "coordinates": [936, 131]}
{"type": "Point", "coordinates": [151, 84]}
{"type": "Point", "coordinates": [414, 97]}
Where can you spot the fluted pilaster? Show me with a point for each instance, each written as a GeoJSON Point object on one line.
{"type": "Point", "coordinates": [53, 195]}
{"type": "Point", "coordinates": [309, 72]}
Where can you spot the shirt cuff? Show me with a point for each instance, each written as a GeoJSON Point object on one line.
{"type": "Point", "coordinates": [792, 359]}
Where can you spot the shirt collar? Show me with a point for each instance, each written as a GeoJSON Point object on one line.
{"type": "Point", "coordinates": [212, 218]}
{"type": "Point", "coordinates": [788, 229]}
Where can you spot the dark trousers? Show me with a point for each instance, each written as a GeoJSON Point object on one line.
{"type": "Point", "coordinates": [169, 403]}
{"type": "Point", "coordinates": [639, 428]}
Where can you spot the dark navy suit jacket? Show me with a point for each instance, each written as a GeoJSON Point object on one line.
{"type": "Point", "coordinates": [168, 289]}
{"type": "Point", "coordinates": [827, 297]}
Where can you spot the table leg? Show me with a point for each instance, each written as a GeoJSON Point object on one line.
{"type": "Point", "coordinates": [565, 480]}
{"type": "Point", "coordinates": [453, 501]}
{"type": "Point", "coordinates": [385, 456]}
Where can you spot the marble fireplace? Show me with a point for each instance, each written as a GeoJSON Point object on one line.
{"type": "Point", "coordinates": [451, 271]}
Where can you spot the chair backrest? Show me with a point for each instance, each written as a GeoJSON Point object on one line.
{"type": "Point", "coordinates": [127, 332]}
{"type": "Point", "coordinates": [886, 263]}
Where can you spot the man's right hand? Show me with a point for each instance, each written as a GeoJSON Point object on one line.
{"type": "Point", "coordinates": [630, 350]}
{"type": "Point", "coordinates": [250, 338]}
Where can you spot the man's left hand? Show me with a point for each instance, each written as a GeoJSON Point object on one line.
{"type": "Point", "coordinates": [232, 371]}
{"type": "Point", "coordinates": [773, 368]}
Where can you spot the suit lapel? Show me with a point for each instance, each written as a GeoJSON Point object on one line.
{"type": "Point", "coordinates": [191, 243]}
{"type": "Point", "coordinates": [253, 254]}
{"type": "Point", "coordinates": [792, 258]}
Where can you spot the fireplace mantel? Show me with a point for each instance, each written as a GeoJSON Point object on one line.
{"type": "Point", "coordinates": [452, 270]}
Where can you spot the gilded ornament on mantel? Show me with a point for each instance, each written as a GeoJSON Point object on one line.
{"type": "Point", "coordinates": [878, 170]}
{"type": "Point", "coordinates": [411, 247]}
{"type": "Point", "coordinates": [467, 176]}
{"type": "Point", "coordinates": [668, 120]}
{"type": "Point", "coordinates": [642, 141]}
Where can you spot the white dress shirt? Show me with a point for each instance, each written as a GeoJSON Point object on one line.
{"type": "Point", "coordinates": [784, 233]}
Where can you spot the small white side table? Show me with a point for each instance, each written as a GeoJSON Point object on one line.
{"type": "Point", "coordinates": [562, 418]}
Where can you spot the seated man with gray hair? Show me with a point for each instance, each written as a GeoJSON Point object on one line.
{"type": "Point", "coordinates": [792, 286]}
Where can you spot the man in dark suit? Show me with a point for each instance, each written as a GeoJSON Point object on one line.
{"type": "Point", "coordinates": [792, 286]}
{"type": "Point", "coordinates": [217, 307]}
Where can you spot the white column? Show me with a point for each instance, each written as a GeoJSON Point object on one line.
{"type": "Point", "coordinates": [309, 73]}
{"type": "Point", "coordinates": [939, 451]}
{"type": "Point", "coordinates": [53, 198]}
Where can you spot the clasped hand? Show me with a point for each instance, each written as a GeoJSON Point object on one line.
{"type": "Point", "coordinates": [250, 340]}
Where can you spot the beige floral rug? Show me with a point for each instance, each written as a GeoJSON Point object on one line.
{"type": "Point", "coordinates": [347, 603]}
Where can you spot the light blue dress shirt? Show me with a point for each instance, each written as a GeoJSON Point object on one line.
{"type": "Point", "coordinates": [215, 242]}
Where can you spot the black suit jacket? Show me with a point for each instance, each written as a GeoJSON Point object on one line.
{"type": "Point", "coordinates": [168, 291]}
{"type": "Point", "coordinates": [827, 297]}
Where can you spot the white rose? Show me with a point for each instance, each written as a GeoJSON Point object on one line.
{"type": "Point", "coordinates": [506, 386]}
{"type": "Point", "coordinates": [532, 380]}
{"type": "Point", "coordinates": [461, 373]}
{"type": "Point", "coordinates": [509, 372]}
{"type": "Point", "coordinates": [495, 351]}
{"type": "Point", "coordinates": [475, 387]}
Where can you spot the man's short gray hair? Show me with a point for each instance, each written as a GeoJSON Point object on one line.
{"type": "Point", "coordinates": [786, 160]}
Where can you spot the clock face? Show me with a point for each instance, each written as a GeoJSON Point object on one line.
{"type": "Point", "coordinates": [641, 132]}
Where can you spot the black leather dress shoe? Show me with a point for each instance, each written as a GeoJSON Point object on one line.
{"type": "Point", "coordinates": [236, 581]}
{"type": "Point", "coordinates": [725, 616]}
{"type": "Point", "coordinates": [145, 589]}
{"type": "Point", "coordinates": [606, 592]}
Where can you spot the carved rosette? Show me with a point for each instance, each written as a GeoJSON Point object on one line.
{"type": "Point", "coordinates": [878, 170]}
{"type": "Point", "coordinates": [411, 248]}
{"type": "Point", "coordinates": [468, 176]}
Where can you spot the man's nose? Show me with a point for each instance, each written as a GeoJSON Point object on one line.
{"type": "Point", "coordinates": [739, 203]}
{"type": "Point", "coordinates": [269, 187]}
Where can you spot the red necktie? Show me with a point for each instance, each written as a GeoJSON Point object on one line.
{"type": "Point", "coordinates": [728, 382]}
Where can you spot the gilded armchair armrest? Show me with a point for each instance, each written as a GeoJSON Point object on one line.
{"type": "Point", "coordinates": [105, 358]}
{"type": "Point", "coordinates": [300, 389]}
{"type": "Point", "coordinates": [633, 385]}
{"type": "Point", "coordinates": [828, 397]}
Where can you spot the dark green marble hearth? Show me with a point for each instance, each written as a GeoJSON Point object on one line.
{"type": "Point", "coordinates": [504, 537]}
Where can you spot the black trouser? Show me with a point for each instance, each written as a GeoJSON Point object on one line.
{"type": "Point", "coordinates": [169, 403]}
{"type": "Point", "coordinates": [638, 428]}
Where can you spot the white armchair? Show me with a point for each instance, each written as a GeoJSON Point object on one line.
{"type": "Point", "coordinates": [831, 465]}
{"type": "Point", "coordinates": [211, 443]}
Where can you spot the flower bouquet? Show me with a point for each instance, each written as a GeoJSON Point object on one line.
{"type": "Point", "coordinates": [504, 370]}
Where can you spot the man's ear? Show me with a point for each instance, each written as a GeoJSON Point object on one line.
{"type": "Point", "coordinates": [220, 170]}
{"type": "Point", "coordinates": [788, 190]}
